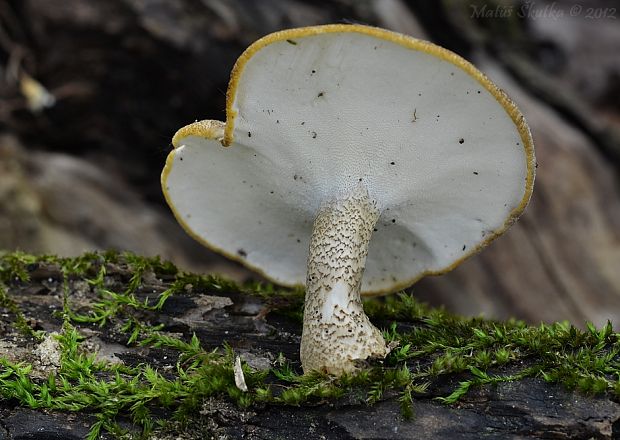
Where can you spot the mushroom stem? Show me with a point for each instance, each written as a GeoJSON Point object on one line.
{"type": "Point", "coordinates": [336, 331]}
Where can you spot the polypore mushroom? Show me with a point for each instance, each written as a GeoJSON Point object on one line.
{"type": "Point", "coordinates": [359, 160]}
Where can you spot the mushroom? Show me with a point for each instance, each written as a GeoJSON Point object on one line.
{"type": "Point", "coordinates": [359, 160]}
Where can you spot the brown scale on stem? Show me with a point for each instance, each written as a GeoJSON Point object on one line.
{"type": "Point", "coordinates": [336, 332]}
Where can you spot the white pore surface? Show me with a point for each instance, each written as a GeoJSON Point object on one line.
{"type": "Point", "coordinates": [438, 153]}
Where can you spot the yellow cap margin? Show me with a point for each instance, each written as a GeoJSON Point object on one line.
{"type": "Point", "coordinates": [212, 129]}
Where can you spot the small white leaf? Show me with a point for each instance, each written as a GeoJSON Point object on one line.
{"type": "Point", "coordinates": [239, 378]}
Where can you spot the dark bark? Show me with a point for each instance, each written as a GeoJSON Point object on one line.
{"type": "Point", "coordinates": [254, 328]}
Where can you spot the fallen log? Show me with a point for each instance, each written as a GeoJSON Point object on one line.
{"type": "Point", "coordinates": [115, 344]}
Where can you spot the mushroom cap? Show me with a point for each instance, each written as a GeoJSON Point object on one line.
{"type": "Point", "coordinates": [313, 112]}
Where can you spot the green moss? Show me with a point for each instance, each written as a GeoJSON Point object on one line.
{"type": "Point", "coordinates": [430, 345]}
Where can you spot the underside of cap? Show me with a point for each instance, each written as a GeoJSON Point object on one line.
{"type": "Point", "coordinates": [312, 112]}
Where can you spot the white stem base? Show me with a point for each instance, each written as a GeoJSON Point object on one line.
{"type": "Point", "coordinates": [337, 333]}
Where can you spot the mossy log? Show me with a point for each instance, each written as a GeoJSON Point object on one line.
{"type": "Point", "coordinates": [116, 345]}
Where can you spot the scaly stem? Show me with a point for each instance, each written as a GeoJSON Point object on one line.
{"type": "Point", "coordinates": [337, 332]}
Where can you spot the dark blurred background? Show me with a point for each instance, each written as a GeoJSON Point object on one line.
{"type": "Point", "coordinates": [91, 92]}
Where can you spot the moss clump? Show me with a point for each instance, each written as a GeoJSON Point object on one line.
{"type": "Point", "coordinates": [430, 346]}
